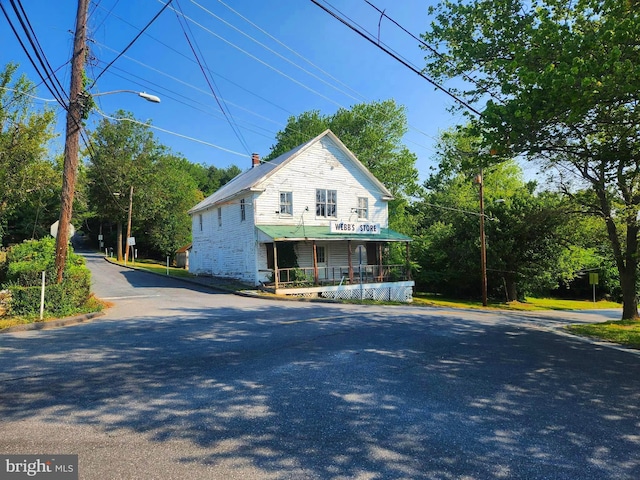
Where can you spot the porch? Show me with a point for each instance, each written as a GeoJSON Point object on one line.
{"type": "Point", "coordinates": [320, 270]}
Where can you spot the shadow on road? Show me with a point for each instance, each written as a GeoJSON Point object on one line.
{"type": "Point", "coordinates": [360, 397]}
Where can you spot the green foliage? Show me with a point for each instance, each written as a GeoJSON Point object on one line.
{"type": "Point", "coordinates": [531, 237]}
{"type": "Point", "coordinates": [25, 264]}
{"type": "Point", "coordinates": [25, 172]}
{"type": "Point", "coordinates": [126, 154]}
{"type": "Point", "coordinates": [372, 131]}
{"type": "Point", "coordinates": [211, 178]}
{"type": "Point", "coordinates": [561, 79]}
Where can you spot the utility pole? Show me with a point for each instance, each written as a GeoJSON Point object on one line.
{"type": "Point", "coordinates": [126, 252]}
{"type": "Point", "coordinates": [483, 243]}
{"type": "Point", "coordinates": [72, 140]}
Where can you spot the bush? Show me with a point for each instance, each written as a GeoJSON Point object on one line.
{"type": "Point", "coordinates": [25, 264]}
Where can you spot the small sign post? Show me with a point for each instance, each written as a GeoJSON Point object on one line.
{"type": "Point", "coordinates": [593, 280]}
{"type": "Point", "coordinates": [360, 249]}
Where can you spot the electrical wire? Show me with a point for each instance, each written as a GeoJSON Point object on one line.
{"type": "Point", "coordinates": [273, 51]}
{"type": "Point", "coordinates": [42, 75]}
{"type": "Point", "coordinates": [211, 82]}
{"type": "Point", "coordinates": [362, 97]}
{"type": "Point", "coordinates": [433, 50]}
{"type": "Point", "coordinates": [149, 125]}
{"type": "Point", "coordinates": [368, 37]}
{"type": "Point", "coordinates": [130, 44]}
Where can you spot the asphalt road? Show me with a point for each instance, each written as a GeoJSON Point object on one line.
{"type": "Point", "coordinates": [178, 382]}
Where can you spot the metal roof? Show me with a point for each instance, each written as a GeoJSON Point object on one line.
{"type": "Point", "coordinates": [300, 232]}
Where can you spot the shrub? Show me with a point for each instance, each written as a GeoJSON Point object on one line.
{"type": "Point", "coordinates": [25, 264]}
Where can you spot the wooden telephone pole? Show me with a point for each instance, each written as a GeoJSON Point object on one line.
{"type": "Point", "coordinates": [72, 140]}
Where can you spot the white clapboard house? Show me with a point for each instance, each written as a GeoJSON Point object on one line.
{"type": "Point", "coordinates": [312, 222]}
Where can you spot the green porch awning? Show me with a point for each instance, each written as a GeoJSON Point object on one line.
{"type": "Point", "coordinates": [279, 233]}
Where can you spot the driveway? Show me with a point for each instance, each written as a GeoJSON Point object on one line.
{"type": "Point", "coordinates": [180, 382]}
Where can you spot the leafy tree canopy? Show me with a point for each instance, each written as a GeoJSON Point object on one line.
{"type": "Point", "coordinates": [372, 131]}
{"type": "Point", "coordinates": [25, 169]}
{"type": "Point", "coordinates": [560, 82]}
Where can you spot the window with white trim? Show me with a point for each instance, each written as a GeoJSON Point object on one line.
{"type": "Point", "coordinates": [243, 210]}
{"type": "Point", "coordinates": [363, 208]}
{"type": "Point", "coordinates": [326, 203]}
{"type": "Point", "coordinates": [219, 216]}
{"type": "Point", "coordinates": [286, 203]}
{"type": "Point", "coordinates": [200, 221]}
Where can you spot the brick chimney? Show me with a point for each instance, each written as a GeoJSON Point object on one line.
{"type": "Point", "coordinates": [255, 160]}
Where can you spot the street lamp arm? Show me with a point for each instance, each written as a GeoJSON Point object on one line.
{"type": "Point", "coordinates": [147, 96]}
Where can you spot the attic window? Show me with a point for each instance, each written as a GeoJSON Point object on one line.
{"type": "Point", "coordinates": [219, 216]}
{"type": "Point", "coordinates": [243, 210]}
{"type": "Point", "coordinates": [326, 203]}
{"type": "Point", "coordinates": [363, 208]}
{"type": "Point", "coordinates": [286, 203]}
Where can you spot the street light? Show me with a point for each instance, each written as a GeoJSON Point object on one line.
{"type": "Point", "coordinates": [147, 96]}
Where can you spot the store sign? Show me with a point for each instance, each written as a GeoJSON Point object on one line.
{"type": "Point", "coordinates": [355, 228]}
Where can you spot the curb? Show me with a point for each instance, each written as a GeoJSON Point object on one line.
{"type": "Point", "coordinates": [62, 322]}
{"type": "Point", "coordinates": [240, 293]}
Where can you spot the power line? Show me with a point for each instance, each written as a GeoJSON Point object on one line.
{"type": "Point", "coordinates": [273, 51]}
{"type": "Point", "coordinates": [396, 57]}
{"type": "Point", "coordinates": [130, 44]}
{"type": "Point", "coordinates": [233, 83]}
{"type": "Point", "coordinates": [292, 50]}
{"type": "Point", "coordinates": [43, 75]}
{"type": "Point", "coordinates": [432, 49]}
{"type": "Point", "coordinates": [229, 117]}
{"type": "Point", "coordinates": [149, 125]}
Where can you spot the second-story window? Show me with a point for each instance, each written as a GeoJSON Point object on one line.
{"type": "Point", "coordinates": [243, 210]}
{"type": "Point", "coordinates": [363, 208]}
{"type": "Point", "coordinates": [326, 203]}
{"type": "Point", "coordinates": [219, 216]}
{"type": "Point", "coordinates": [200, 221]}
{"type": "Point", "coordinates": [286, 203]}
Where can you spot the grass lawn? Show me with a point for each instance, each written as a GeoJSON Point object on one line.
{"type": "Point", "coordinates": [530, 303]}
{"type": "Point", "coordinates": [161, 268]}
{"type": "Point", "coordinates": [625, 332]}
{"type": "Point", "coordinates": [156, 267]}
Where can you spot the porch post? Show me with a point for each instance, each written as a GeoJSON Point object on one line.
{"type": "Point", "coordinates": [276, 274]}
{"type": "Point", "coordinates": [350, 262]}
{"type": "Point", "coordinates": [408, 261]}
{"type": "Point", "coordinates": [379, 255]}
{"type": "Point", "coordinates": [315, 262]}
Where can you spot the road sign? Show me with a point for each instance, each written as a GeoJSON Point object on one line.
{"type": "Point", "coordinates": [54, 229]}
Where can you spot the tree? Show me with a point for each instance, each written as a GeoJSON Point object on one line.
{"type": "Point", "coordinates": [529, 247]}
{"type": "Point", "coordinates": [24, 135]}
{"type": "Point", "coordinates": [120, 157]}
{"type": "Point", "coordinates": [560, 81]}
{"type": "Point", "coordinates": [373, 132]}
{"type": "Point", "coordinates": [169, 192]}
{"type": "Point", "coordinates": [211, 178]}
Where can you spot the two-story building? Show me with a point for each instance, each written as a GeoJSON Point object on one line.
{"type": "Point", "coordinates": [312, 222]}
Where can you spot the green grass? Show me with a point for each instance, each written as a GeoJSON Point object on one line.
{"type": "Point", "coordinates": [531, 303]}
{"type": "Point", "coordinates": [625, 332]}
{"type": "Point", "coordinates": [161, 269]}
{"type": "Point", "coordinates": [92, 305]}
{"type": "Point", "coordinates": [156, 267]}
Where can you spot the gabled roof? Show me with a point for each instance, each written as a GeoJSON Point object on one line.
{"type": "Point", "coordinates": [250, 180]}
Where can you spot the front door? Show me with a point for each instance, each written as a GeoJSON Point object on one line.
{"type": "Point", "coordinates": [321, 254]}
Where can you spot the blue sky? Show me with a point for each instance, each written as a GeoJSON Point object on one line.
{"type": "Point", "coordinates": [258, 88]}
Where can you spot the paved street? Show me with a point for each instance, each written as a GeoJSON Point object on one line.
{"type": "Point", "coordinates": [179, 382]}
